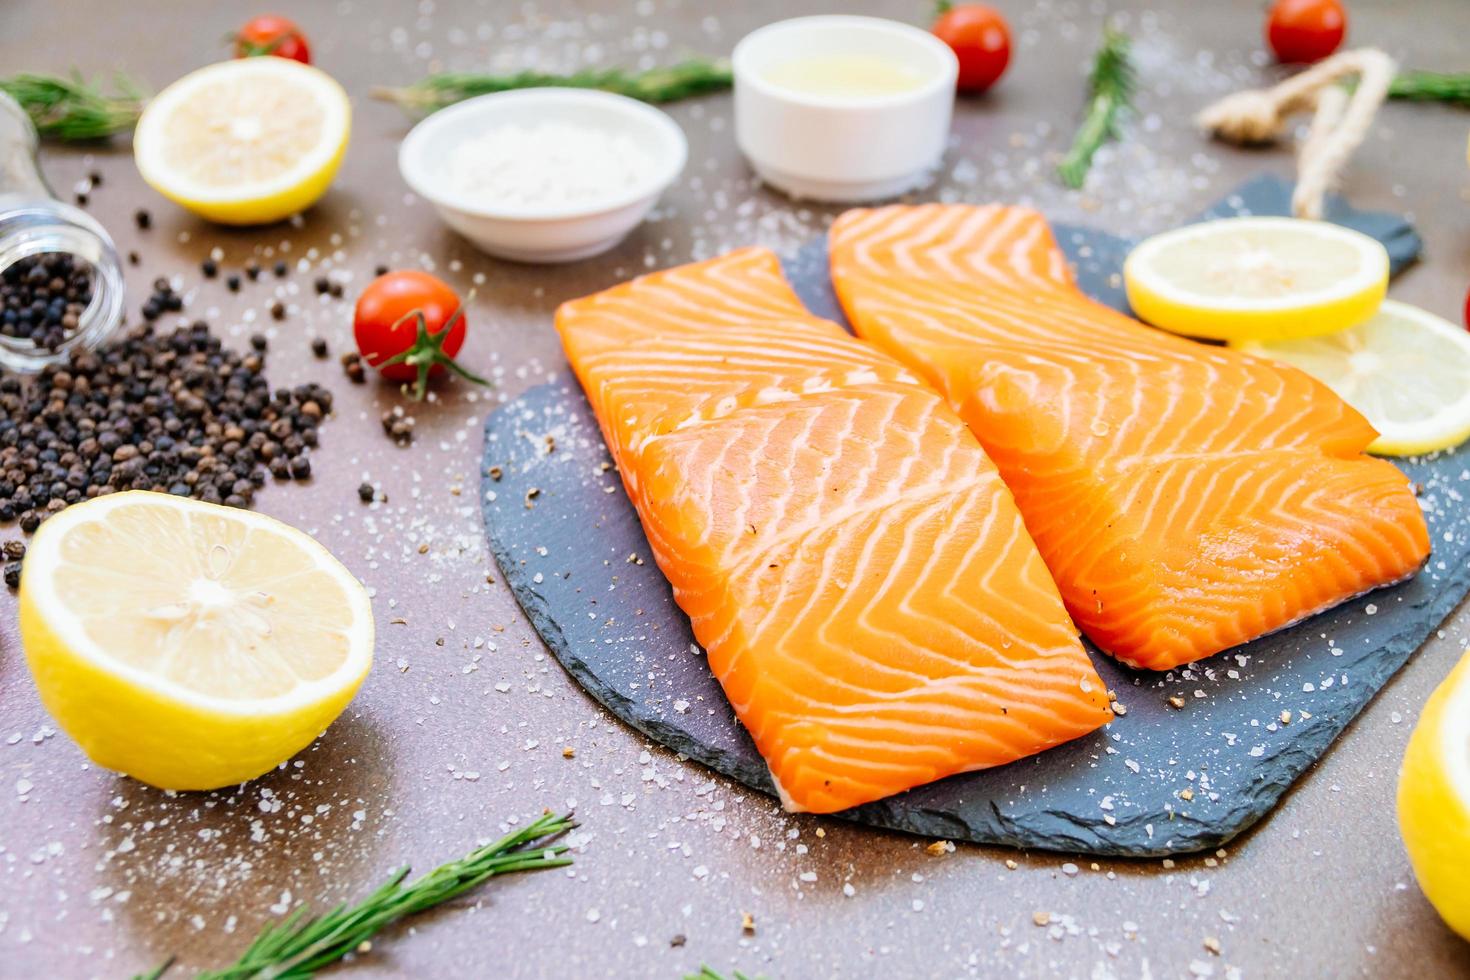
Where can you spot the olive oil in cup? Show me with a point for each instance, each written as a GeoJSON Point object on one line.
{"type": "Point", "coordinates": [852, 76]}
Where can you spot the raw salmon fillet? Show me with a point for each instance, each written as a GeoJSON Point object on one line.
{"type": "Point", "coordinates": [850, 560]}
{"type": "Point", "coordinates": [1187, 498]}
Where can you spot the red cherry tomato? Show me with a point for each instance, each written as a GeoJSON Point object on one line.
{"type": "Point", "coordinates": [1305, 30]}
{"type": "Point", "coordinates": [1467, 310]}
{"type": "Point", "coordinates": [410, 325]}
{"type": "Point", "coordinates": [272, 34]}
{"type": "Point", "coordinates": [980, 40]}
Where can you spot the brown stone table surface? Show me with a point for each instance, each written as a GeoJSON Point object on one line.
{"type": "Point", "coordinates": [463, 720]}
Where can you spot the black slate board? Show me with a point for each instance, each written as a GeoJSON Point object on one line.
{"type": "Point", "coordinates": [577, 560]}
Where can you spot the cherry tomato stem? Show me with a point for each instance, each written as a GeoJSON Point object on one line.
{"type": "Point", "coordinates": [410, 326]}
{"type": "Point", "coordinates": [428, 351]}
{"type": "Point", "coordinates": [271, 34]}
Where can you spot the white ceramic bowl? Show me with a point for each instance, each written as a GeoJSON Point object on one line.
{"type": "Point", "coordinates": [849, 147]}
{"type": "Point", "coordinates": [553, 233]}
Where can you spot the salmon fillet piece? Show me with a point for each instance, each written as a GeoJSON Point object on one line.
{"type": "Point", "coordinates": [1187, 498]}
{"type": "Point", "coordinates": [849, 558]}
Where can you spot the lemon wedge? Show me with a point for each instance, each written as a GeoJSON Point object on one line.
{"type": "Point", "coordinates": [189, 645]}
{"type": "Point", "coordinates": [1434, 799]}
{"type": "Point", "coordinates": [1240, 279]}
{"type": "Point", "coordinates": [1405, 369]}
{"type": "Point", "coordinates": [245, 142]}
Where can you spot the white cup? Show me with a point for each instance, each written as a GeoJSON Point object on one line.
{"type": "Point", "coordinates": [851, 147]}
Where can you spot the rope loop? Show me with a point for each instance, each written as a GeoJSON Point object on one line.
{"type": "Point", "coordinates": [1339, 126]}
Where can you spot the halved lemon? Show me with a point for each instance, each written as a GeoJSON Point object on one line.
{"type": "Point", "coordinates": [189, 645]}
{"type": "Point", "coordinates": [1434, 799]}
{"type": "Point", "coordinates": [1405, 369]}
{"type": "Point", "coordinates": [1240, 279]}
{"type": "Point", "coordinates": [245, 142]}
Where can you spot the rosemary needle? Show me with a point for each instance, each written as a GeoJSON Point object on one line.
{"type": "Point", "coordinates": [1110, 87]}
{"type": "Point", "coordinates": [1432, 86]}
{"type": "Point", "coordinates": [709, 973]}
{"type": "Point", "coordinates": [71, 108]}
{"type": "Point", "coordinates": [695, 76]}
{"type": "Point", "coordinates": [299, 945]}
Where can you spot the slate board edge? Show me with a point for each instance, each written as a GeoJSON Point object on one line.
{"type": "Point", "coordinates": [535, 608]}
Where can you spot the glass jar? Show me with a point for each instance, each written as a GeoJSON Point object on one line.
{"type": "Point", "coordinates": [33, 221]}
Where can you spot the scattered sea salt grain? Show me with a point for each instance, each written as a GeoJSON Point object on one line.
{"type": "Point", "coordinates": [548, 164]}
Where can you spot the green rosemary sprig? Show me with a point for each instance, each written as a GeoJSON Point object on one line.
{"type": "Point", "coordinates": [710, 973]}
{"type": "Point", "coordinates": [299, 945]}
{"type": "Point", "coordinates": [157, 971]}
{"type": "Point", "coordinates": [71, 108]}
{"type": "Point", "coordinates": [1110, 95]}
{"type": "Point", "coordinates": [1432, 86]}
{"type": "Point", "coordinates": [695, 76]}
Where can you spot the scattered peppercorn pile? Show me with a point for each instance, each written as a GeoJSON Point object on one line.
{"type": "Point", "coordinates": [175, 412]}
{"type": "Point", "coordinates": [162, 300]}
{"type": "Point", "coordinates": [43, 296]}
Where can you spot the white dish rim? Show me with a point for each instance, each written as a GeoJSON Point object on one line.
{"type": "Point", "coordinates": [667, 167]}
{"type": "Point", "coordinates": [746, 75]}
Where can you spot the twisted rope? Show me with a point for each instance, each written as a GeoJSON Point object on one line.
{"type": "Point", "coordinates": [1340, 123]}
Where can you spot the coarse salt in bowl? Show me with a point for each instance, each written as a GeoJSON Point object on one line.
{"type": "Point", "coordinates": [544, 175]}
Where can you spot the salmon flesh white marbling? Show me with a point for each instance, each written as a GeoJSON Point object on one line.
{"type": "Point", "coordinates": [1187, 498]}
{"type": "Point", "coordinates": [849, 558]}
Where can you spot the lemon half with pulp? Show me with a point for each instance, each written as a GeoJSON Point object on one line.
{"type": "Point", "coordinates": [189, 645]}
{"type": "Point", "coordinates": [1238, 279]}
{"type": "Point", "coordinates": [1434, 799]}
{"type": "Point", "coordinates": [245, 142]}
{"type": "Point", "coordinates": [1405, 369]}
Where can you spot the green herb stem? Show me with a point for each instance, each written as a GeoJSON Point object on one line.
{"type": "Point", "coordinates": [695, 76]}
{"type": "Point", "coordinates": [707, 972]}
{"type": "Point", "coordinates": [71, 108]}
{"type": "Point", "coordinates": [1432, 86]}
{"type": "Point", "coordinates": [1110, 95]}
{"type": "Point", "coordinates": [301, 944]}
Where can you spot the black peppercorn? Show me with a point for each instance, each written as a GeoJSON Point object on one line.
{"type": "Point", "coordinates": [43, 296]}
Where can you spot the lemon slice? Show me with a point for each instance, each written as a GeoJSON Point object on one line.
{"type": "Point", "coordinates": [1434, 799]}
{"type": "Point", "coordinates": [1406, 370]}
{"type": "Point", "coordinates": [186, 644]}
{"type": "Point", "coordinates": [245, 142]}
{"type": "Point", "coordinates": [1241, 279]}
